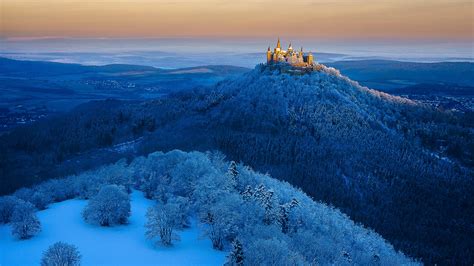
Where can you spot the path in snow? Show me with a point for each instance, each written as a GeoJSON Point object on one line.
{"type": "Point", "coordinates": [121, 245]}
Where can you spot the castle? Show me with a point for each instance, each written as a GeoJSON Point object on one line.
{"type": "Point", "coordinates": [297, 59]}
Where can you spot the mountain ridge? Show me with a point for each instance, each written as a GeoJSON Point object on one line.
{"type": "Point", "coordinates": [11, 66]}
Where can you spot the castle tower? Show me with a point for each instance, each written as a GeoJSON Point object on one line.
{"type": "Point", "coordinates": [269, 55]}
{"type": "Point", "coordinates": [310, 58]}
{"type": "Point", "coordinates": [300, 57]}
{"type": "Point", "coordinates": [278, 47]}
{"type": "Point", "coordinates": [290, 48]}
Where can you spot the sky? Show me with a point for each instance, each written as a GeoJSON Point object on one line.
{"type": "Point", "coordinates": [325, 19]}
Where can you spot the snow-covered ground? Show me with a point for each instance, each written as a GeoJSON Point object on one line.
{"type": "Point", "coordinates": [121, 245]}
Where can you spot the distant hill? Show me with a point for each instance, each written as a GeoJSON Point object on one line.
{"type": "Point", "coordinates": [28, 86]}
{"type": "Point", "coordinates": [399, 167]}
{"type": "Point", "coordinates": [386, 75]}
{"type": "Point", "coordinates": [10, 67]}
{"type": "Point", "coordinates": [17, 68]}
{"type": "Point", "coordinates": [436, 89]}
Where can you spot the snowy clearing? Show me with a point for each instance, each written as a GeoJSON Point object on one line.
{"type": "Point", "coordinates": [121, 245]}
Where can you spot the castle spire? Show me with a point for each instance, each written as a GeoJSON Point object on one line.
{"type": "Point", "coordinates": [278, 43]}
{"type": "Point", "coordinates": [310, 58]}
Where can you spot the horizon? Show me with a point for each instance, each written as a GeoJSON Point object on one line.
{"type": "Point", "coordinates": [404, 30]}
{"type": "Point", "coordinates": [190, 52]}
{"type": "Point", "coordinates": [362, 19]}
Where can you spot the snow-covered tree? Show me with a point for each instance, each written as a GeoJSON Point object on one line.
{"type": "Point", "coordinates": [7, 206]}
{"type": "Point", "coordinates": [58, 189]}
{"type": "Point", "coordinates": [41, 199]}
{"type": "Point", "coordinates": [222, 221]}
{"type": "Point", "coordinates": [293, 203]}
{"type": "Point", "coordinates": [236, 255]}
{"type": "Point", "coordinates": [232, 172]}
{"type": "Point", "coordinates": [109, 207]}
{"type": "Point", "coordinates": [24, 194]}
{"type": "Point", "coordinates": [273, 251]}
{"type": "Point", "coordinates": [284, 214]}
{"type": "Point", "coordinates": [87, 185]}
{"type": "Point", "coordinates": [146, 184]}
{"type": "Point", "coordinates": [185, 173]}
{"type": "Point", "coordinates": [247, 194]}
{"type": "Point", "coordinates": [61, 254]}
{"type": "Point", "coordinates": [116, 174]}
{"type": "Point", "coordinates": [155, 185]}
{"type": "Point", "coordinates": [24, 222]}
{"type": "Point", "coordinates": [265, 197]}
{"type": "Point", "coordinates": [217, 158]}
{"type": "Point", "coordinates": [162, 220]}
{"type": "Point", "coordinates": [283, 218]}
{"type": "Point", "coordinates": [182, 217]}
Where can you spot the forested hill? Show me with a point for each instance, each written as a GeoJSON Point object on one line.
{"type": "Point", "coordinates": [252, 217]}
{"type": "Point", "coordinates": [398, 167]}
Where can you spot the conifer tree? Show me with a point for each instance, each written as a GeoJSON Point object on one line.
{"type": "Point", "coordinates": [294, 203]}
{"type": "Point", "coordinates": [236, 255]}
{"type": "Point", "coordinates": [283, 218]}
{"type": "Point", "coordinates": [233, 173]}
{"type": "Point", "coordinates": [247, 194]}
{"type": "Point", "coordinates": [265, 197]}
{"type": "Point", "coordinates": [260, 193]}
{"type": "Point", "coordinates": [284, 214]}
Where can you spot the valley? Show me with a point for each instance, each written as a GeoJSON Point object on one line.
{"type": "Point", "coordinates": [33, 90]}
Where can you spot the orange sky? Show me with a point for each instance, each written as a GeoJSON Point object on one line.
{"type": "Point", "coordinates": [400, 19]}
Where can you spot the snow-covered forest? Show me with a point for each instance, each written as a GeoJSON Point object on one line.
{"type": "Point", "coordinates": [254, 218]}
{"type": "Point", "coordinates": [401, 168]}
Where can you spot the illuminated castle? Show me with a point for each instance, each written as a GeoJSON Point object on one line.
{"type": "Point", "coordinates": [298, 59]}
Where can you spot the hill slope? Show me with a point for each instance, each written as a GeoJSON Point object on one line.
{"type": "Point", "coordinates": [275, 223]}
{"type": "Point", "coordinates": [371, 154]}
